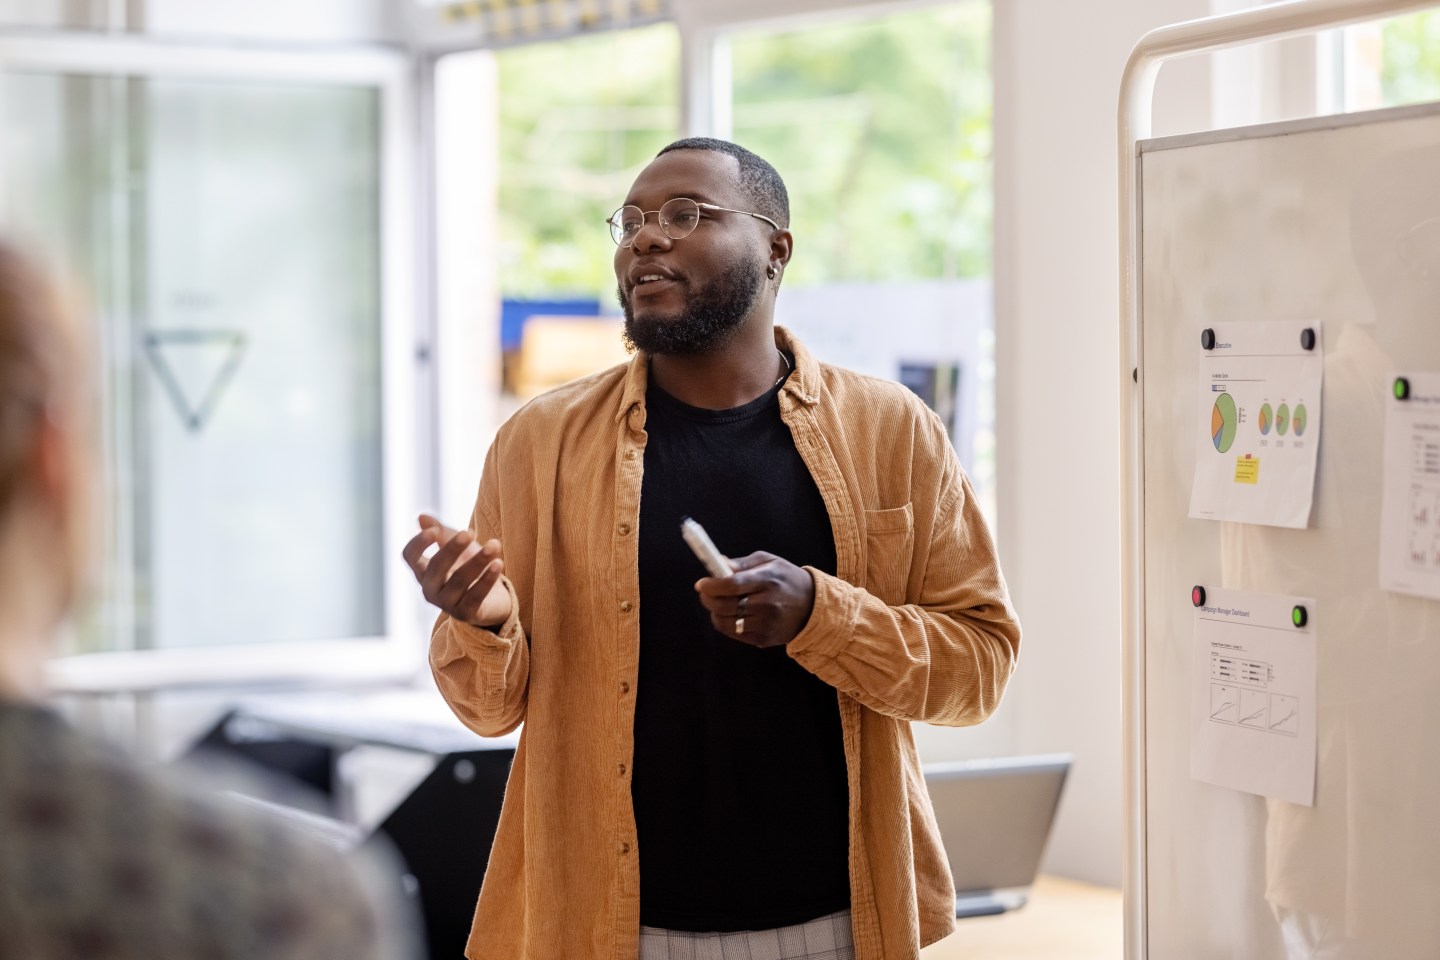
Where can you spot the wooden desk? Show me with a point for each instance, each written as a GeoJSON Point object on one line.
{"type": "Point", "coordinates": [1064, 918]}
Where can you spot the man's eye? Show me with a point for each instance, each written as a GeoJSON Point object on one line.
{"type": "Point", "coordinates": [686, 218]}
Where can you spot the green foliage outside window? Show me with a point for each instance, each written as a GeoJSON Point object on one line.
{"type": "Point", "coordinates": [881, 128]}
{"type": "Point", "coordinates": [578, 121]}
{"type": "Point", "coordinates": [882, 131]}
{"type": "Point", "coordinates": [1411, 58]}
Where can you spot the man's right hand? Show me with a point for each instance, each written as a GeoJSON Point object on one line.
{"type": "Point", "coordinates": [462, 577]}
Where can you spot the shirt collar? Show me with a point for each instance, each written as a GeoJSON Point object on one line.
{"type": "Point", "coordinates": [803, 383]}
{"type": "Point", "coordinates": [637, 375]}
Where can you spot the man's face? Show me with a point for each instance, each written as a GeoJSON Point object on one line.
{"type": "Point", "coordinates": [709, 282]}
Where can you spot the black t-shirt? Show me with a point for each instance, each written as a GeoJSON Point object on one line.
{"type": "Point", "coordinates": [739, 775]}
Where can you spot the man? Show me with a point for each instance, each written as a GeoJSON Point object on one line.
{"type": "Point", "coordinates": [99, 859]}
{"type": "Point", "coordinates": [716, 766]}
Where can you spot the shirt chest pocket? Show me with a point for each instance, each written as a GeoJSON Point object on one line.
{"type": "Point", "coordinates": [889, 548]}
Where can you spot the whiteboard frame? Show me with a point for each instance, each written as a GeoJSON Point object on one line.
{"type": "Point", "coordinates": [1137, 94]}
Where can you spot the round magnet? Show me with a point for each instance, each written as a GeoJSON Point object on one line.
{"type": "Point", "coordinates": [1207, 338]}
{"type": "Point", "coordinates": [1197, 596]}
{"type": "Point", "coordinates": [1307, 338]}
{"type": "Point", "coordinates": [1402, 388]}
{"type": "Point", "coordinates": [1298, 616]}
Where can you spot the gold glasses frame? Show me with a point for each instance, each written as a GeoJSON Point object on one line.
{"type": "Point", "coordinates": [667, 223]}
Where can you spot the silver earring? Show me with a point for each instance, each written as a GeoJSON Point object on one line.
{"type": "Point", "coordinates": [770, 272]}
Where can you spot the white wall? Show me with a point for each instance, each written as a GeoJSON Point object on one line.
{"type": "Point", "coordinates": [1057, 79]}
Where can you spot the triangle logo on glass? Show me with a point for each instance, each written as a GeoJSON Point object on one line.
{"type": "Point", "coordinates": [194, 367]}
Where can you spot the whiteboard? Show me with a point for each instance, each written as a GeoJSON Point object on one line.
{"type": "Point", "coordinates": [1335, 220]}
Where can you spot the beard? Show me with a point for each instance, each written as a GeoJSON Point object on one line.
{"type": "Point", "coordinates": [711, 318]}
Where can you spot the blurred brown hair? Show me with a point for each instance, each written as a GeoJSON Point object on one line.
{"type": "Point", "coordinates": [38, 347]}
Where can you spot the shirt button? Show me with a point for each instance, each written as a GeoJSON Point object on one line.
{"type": "Point", "coordinates": [625, 606]}
{"type": "Point", "coordinates": [624, 529]}
{"type": "Point", "coordinates": [624, 848]}
{"type": "Point", "coordinates": [624, 686]}
{"type": "Point", "coordinates": [629, 454]}
{"type": "Point", "coordinates": [622, 769]}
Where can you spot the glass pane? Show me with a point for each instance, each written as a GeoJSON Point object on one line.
{"type": "Point", "coordinates": [1393, 62]}
{"type": "Point", "coordinates": [230, 234]}
{"type": "Point", "coordinates": [902, 106]}
{"type": "Point", "coordinates": [1410, 71]}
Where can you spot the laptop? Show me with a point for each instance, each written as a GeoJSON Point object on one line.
{"type": "Point", "coordinates": [994, 818]}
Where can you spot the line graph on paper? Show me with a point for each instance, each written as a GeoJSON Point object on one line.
{"type": "Point", "coordinates": [1252, 694]}
{"type": "Point", "coordinates": [1224, 703]}
{"type": "Point", "coordinates": [1242, 698]}
{"type": "Point", "coordinates": [1254, 709]}
{"type": "Point", "coordinates": [1285, 712]}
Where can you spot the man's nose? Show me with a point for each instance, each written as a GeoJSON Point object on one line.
{"type": "Point", "coordinates": [650, 236]}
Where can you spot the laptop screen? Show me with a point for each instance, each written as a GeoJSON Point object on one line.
{"type": "Point", "coordinates": [995, 816]}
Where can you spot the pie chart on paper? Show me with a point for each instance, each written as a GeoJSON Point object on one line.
{"type": "Point", "coordinates": [1299, 419]}
{"type": "Point", "coordinates": [1267, 417]}
{"type": "Point", "coordinates": [1282, 419]}
{"type": "Point", "coordinates": [1222, 422]}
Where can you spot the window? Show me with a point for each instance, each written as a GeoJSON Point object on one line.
{"type": "Point", "coordinates": [1392, 62]}
{"type": "Point", "coordinates": [227, 232]}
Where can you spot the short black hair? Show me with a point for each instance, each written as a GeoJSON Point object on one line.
{"type": "Point", "coordinates": [760, 181]}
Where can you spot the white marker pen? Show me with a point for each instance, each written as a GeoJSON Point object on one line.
{"type": "Point", "coordinates": [704, 548]}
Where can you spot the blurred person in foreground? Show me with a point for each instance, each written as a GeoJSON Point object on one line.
{"type": "Point", "coordinates": [98, 859]}
{"type": "Point", "coordinates": [716, 766]}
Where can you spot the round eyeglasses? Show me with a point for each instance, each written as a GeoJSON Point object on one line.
{"type": "Point", "coordinates": [677, 219]}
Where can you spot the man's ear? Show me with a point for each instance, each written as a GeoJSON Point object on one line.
{"type": "Point", "coordinates": [782, 247]}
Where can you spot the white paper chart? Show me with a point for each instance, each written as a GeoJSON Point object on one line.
{"type": "Point", "coordinates": [1258, 423]}
{"type": "Point", "coordinates": [1410, 498]}
{"type": "Point", "coordinates": [1253, 694]}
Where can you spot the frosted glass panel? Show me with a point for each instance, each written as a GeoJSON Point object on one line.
{"type": "Point", "coordinates": [229, 232]}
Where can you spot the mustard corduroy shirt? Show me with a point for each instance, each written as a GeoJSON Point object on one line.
{"type": "Point", "coordinates": [916, 626]}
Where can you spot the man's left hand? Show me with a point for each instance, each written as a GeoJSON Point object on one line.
{"type": "Point", "coordinates": [764, 603]}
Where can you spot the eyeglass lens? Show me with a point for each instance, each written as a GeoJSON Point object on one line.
{"type": "Point", "coordinates": [677, 218]}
